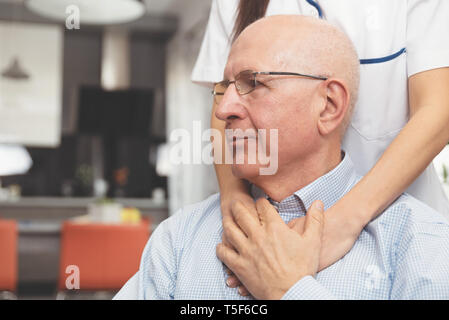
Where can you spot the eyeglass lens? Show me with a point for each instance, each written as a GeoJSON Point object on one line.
{"type": "Point", "coordinates": [245, 82]}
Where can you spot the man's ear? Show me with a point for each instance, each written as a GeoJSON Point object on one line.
{"type": "Point", "coordinates": [333, 112]}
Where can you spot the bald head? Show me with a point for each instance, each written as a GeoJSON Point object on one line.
{"type": "Point", "coordinates": [306, 45]}
{"type": "Point", "coordinates": [305, 117]}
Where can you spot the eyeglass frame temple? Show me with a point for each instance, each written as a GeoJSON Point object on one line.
{"type": "Point", "coordinates": [289, 74]}
{"type": "Point", "coordinates": [275, 74]}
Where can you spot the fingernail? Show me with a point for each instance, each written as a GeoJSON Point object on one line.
{"type": "Point", "coordinates": [319, 206]}
{"type": "Point", "coordinates": [240, 291]}
{"type": "Point", "coordinates": [228, 282]}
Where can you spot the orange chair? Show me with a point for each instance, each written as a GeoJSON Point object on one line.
{"type": "Point", "coordinates": [8, 256]}
{"type": "Point", "coordinates": [105, 255]}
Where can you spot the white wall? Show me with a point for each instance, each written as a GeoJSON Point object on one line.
{"type": "Point", "coordinates": [187, 102]}
{"type": "Point", "coordinates": [30, 110]}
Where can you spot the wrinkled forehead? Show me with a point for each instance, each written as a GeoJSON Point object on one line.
{"type": "Point", "coordinates": [261, 54]}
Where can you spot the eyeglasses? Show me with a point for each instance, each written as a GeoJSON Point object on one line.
{"type": "Point", "coordinates": [246, 81]}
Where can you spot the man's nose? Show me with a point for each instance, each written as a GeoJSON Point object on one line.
{"type": "Point", "coordinates": [231, 105]}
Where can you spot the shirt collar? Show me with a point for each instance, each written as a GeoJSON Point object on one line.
{"type": "Point", "coordinates": [328, 188]}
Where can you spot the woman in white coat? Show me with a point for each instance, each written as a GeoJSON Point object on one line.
{"type": "Point", "coordinates": [400, 122]}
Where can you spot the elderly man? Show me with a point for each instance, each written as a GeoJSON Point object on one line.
{"type": "Point", "coordinates": [299, 76]}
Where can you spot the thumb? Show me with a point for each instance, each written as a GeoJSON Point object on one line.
{"type": "Point", "coordinates": [297, 224]}
{"type": "Point", "coordinates": [225, 241]}
{"type": "Point", "coordinates": [267, 213]}
{"type": "Point", "coordinates": [314, 220]}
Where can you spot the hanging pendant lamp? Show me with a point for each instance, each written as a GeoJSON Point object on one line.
{"type": "Point", "coordinates": [15, 71]}
{"type": "Point", "coordinates": [97, 12]}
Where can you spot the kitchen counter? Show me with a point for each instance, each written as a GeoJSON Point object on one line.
{"type": "Point", "coordinates": [39, 225]}
{"type": "Point", "coordinates": [58, 209]}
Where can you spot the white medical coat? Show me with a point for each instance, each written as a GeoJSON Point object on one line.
{"type": "Point", "coordinates": [394, 39]}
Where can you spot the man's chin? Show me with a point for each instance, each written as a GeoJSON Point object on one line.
{"type": "Point", "coordinates": [246, 171]}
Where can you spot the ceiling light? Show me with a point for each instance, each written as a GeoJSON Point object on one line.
{"type": "Point", "coordinates": [99, 12]}
{"type": "Point", "coordinates": [14, 159]}
{"type": "Point", "coordinates": [15, 71]}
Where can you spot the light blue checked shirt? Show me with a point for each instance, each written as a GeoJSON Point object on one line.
{"type": "Point", "coordinates": [403, 254]}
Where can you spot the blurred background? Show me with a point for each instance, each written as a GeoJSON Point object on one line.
{"type": "Point", "coordinates": [89, 92]}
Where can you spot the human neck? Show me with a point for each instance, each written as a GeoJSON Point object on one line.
{"type": "Point", "coordinates": [295, 176]}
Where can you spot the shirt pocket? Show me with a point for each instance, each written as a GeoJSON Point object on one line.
{"type": "Point", "coordinates": [382, 107]}
{"type": "Point", "coordinates": [378, 30]}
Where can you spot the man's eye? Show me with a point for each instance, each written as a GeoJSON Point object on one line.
{"type": "Point", "coordinates": [265, 81]}
{"type": "Point", "coordinates": [253, 83]}
{"type": "Point", "coordinates": [262, 83]}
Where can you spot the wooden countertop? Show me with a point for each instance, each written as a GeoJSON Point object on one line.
{"type": "Point", "coordinates": [45, 214]}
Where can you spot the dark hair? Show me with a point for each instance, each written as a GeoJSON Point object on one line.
{"type": "Point", "coordinates": [248, 12]}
